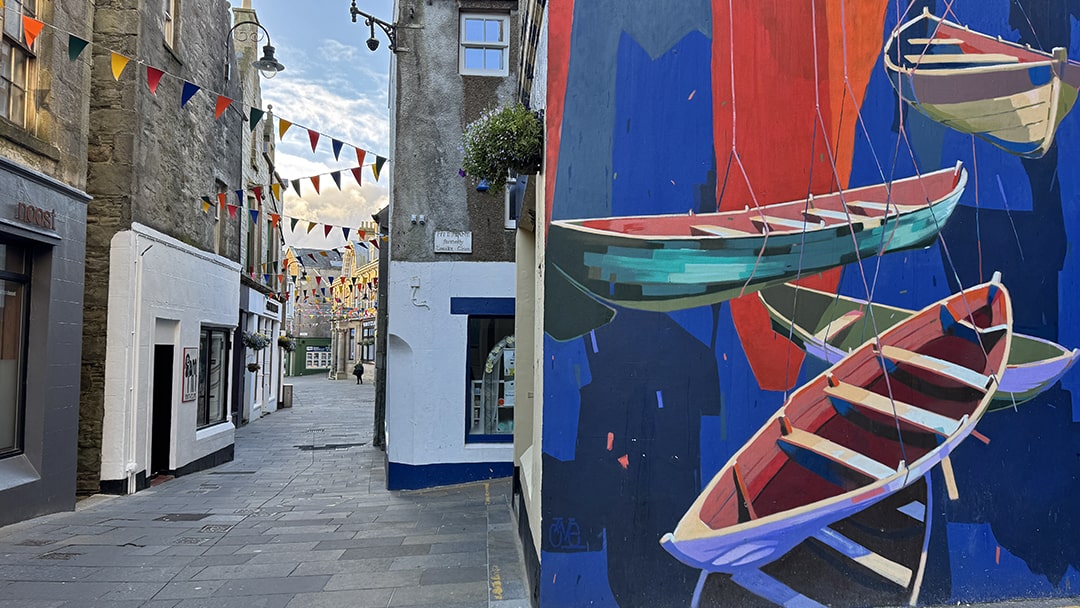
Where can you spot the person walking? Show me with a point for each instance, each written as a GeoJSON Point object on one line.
{"type": "Point", "coordinates": [358, 371]}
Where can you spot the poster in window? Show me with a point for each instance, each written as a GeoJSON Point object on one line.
{"type": "Point", "coordinates": [190, 374]}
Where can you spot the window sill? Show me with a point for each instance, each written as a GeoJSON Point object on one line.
{"type": "Point", "coordinates": [24, 139]}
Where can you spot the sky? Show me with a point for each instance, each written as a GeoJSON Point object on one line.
{"type": "Point", "coordinates": [333, 84]}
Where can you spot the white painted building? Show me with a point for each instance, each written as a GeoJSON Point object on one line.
{"type": "Point", "coordinates": [172, 312]}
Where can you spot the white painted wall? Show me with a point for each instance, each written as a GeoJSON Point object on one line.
{"type": "Point", "coordinates": [153, 276]}
{"type": "Point", "coordinates": [425, 384]}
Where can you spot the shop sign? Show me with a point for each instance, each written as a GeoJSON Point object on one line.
{"type": "Point", "coordinates": [190, 374]}
{"type": "Point", "coordinates": [38, 217]}
{"type": "Point", "coordinates": [453, 242]}
{"type": "Point", "coordinates": [272, 306]}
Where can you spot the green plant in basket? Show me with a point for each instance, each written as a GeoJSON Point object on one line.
{"type": "Point", "coordinates": [503, 140]}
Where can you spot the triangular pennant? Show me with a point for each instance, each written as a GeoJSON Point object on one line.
{"type": "Point", "coordinates": [283, 126]}
{"type": "Point", "coordinates": [337, 178]}
{"type": "Point", "coordinates": [345, 233]}
{"type": "Point", "coordinates": [377, 167]}
{"type": "Point", "coordinates": [310, 225]}
{"type": "Point", "coordinates": [318, 280]}
{"type": "Point", "coordinates": [275, 189]}
{"type": "Point", "coordinates": [258, 193]}
{"type": "Point", "coordinates": [206, 205]}
{"type": "Point", "coordinates": [254, 216]}
{"type": "Point", "coordinates": [31, 29]}
{"type": "Point", "coordinates": [119, 62]}
{"type": "Point", "coordinates": [315, 182]}
{"type": "Point", "coordinates": [222, 104]}
{"type": "Point", "coordinates": [360, 154]}
{"type": "Point", "coordinates": [266, 278]}
{"type": "Point", "coordinates": [296, 186]}
{"type": "Point", "coordinates": [75, 46]}
{"type": "Point", "coordinates": [281, 279]}
{"type": "Point", "coordinates": [337, 144]}
{"type": "Point", "coordinates": [356, 174]}
{"type": "Point", "coordinates": [221, 199]}
{"type": "Point", "coordinates": [327, 229]}
{"type": "Point", "coordinates": [232, 211]}
{"type": "Point", "coordinates": [240, 198]}
{"type": "Point", "coordinates": [274, 219]}
{"type": "Point", "coordinates": [153, 77]}
{"type": "Point", "coordinates": [362, 234]}
{"type": "Point", "coordinates": [314, 137]}
{"type": "Point", "coordinates": [375, 243]}
{"type": "Point", "coordinates": [292, 224]}
{"type": "Point", "coordinates": [254, 117]}
{"type": "Point", "coordinates": [190, 88]}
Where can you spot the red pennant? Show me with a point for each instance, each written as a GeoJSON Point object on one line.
{"type": "Point", "coordinates": [361, 233]}
{"type": "Point", "coordinates": [232, 211]}
{"type": "Point", "coordinates": [315, 182]}
{"type": "Point", "coordinates": [375, 243]}
{"type": "Point", "coordinates": [326, 229]}
{"type": "Point", "coordinates": [31, 29]}
{"type": "Point", "coordinates": [356, 174]}
{"type": "Point", "coordinates": [360, 157]}
{"type": "Point", "coordinates": [274, 219]}
{"type": "Point", "coordinates": [221, 199]}
{"type": "Point", "coordinates": [314, 137]}
{"type": "Point", "coordinates": [258, 193]}
{"type": "Point", "coordinates": [223, 104]}
{"type": "Point", "coordinates": [153, 78]}
{"type": "Point", "coordinates": [318, 280]}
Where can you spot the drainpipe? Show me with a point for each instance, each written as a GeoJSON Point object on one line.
{"type": "Point", "coordinates": [132, 409]}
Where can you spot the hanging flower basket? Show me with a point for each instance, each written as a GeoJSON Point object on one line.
{"type": "Point", "coordinates": [502, 141]}
{"type": "Point", "coordinates": [253, 367]}
{"type": "Point", "coordinates": [286, 343]}
{"type": "Point", "coordinates": [255, 341]}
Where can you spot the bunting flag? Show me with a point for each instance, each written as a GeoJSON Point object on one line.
{"type": "Point", "coordinates": [362, 234]}
{"type": "Point", "coordinates": [318, 280]}
{"type": "Point", "coordinates": [274, 219]}
{"type": "Point", "coordinates": [314, 137]}
{"type": "Point", "coordinates": [258, 193]}
{"type": "Point", "coordinates": [336, 175]}
{"type": "Point", "coordinates": [153, 77]}
{"type": "Point", "coordinates": [293, 225]}
{"type": "Point", "coordinates": [345, 233]}
{"type": "Point", "coordinates": [190, 89]}
{"type": "Point", "coordinates": [377, 167]}
{"type": "Point", "coordinates": [254, 216]}
{"type": "Point", "coordinates": [326, 229]}
{"type": "Point", "coordinates": [360, 154]}
{"type": "Point", "coordinates": [223, 104]}
{"type": "Point", "coordinates": [75, 46]}
{"type": "Point", "coordinates": [337, 144]}
{"type": "Point", "coordinates": [232, 211]}
{"type": "Point", "coordinates": [356, 174]}
{"type": "Point", "coordinates": [254, 118]}
{"type": "Point", "coordinates": [275, 189]}
{"type": "Point", "coordinates": [119, 62]}
{"type": "Point", "coordinates": [266, 278]}
{"type": "Point", "coordinates": [221, 199]}
{"type": "Point", "coordinates": [31, 29]}
{"type": "Point", "coordinates": [315, 182]}
{"type": "Point", "coordinates": [281, 279]}
{"type": "Point", "coordinates": [310, 225]}
{"type": "Point", "coordinates": [239, 198]}
{"type": "Point", "coordinates": [364, 245]}
{"type": "Point", "coordinates": [296, 186]}
{"type": "Point", "coordinates": [283, 126]}
{"type": "Point", "coordinates": [375, 243]}
{"type": "Point", "coordinates": [206, 204]}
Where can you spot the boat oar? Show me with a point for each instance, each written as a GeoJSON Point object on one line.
{"type": "Point", "coordinates": [950, 479]}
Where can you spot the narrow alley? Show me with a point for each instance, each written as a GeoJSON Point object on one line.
{"type": "Point", "coordinates": [301, 517]}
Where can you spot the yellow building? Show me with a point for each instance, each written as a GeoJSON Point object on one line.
{"type": "Point", "coordinates": [355, 302]}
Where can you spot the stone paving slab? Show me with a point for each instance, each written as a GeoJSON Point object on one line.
{"type": "Point", "coordinates": [281, 526]}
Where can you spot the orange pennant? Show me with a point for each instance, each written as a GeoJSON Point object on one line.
{"type": "Point", "coordinates": [223, 104]}
{"type": "Point", "coordinates": [221, 199]}
{"type": "Point", "coordinates": [274, 219]}
{"type": "Point", "coordinates": [119, 62]}
{"type": "Point", "coordinates": [360, 154]}
{"type": "Point", "coordinates": [315, 182]}
{"type": "Point", "coordinates": [31, 29]}
{"type": "Point", "coordinates": [283, 126]}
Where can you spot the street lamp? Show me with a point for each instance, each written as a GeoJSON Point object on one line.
{"type": "Point", "coordinates": [268, 65]}
{"type": "Point", "coordinates": [371, 21]}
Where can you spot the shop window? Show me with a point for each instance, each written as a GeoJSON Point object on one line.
{"type": "Point", "coordinates": [213, 357]}
{"type": "Point", "coordinates": [318, 357]}
{"type": "Point", "coordinates": [484, 45]}
{"type": "Point", "coordinates": [16, 62]}
{"type": "Point", "coordinates": [352, 344]}
{"type": "Point", "coordinates": [491, 389]}
{"type": "Point", "coordinates": [14, 290]}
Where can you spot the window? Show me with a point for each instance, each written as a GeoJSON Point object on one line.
{"type": "Point", "coordinates": [14, 288]}
{"type": "Point", "coordinates": [368, 340]}
{"type": "Point", "coordinates": [213, 354]}
{"type": "Point", "coordinates": [16, 62]}
{"type": "Point", "coordinates": [490, 378]}
{"type": "Point", "coordinates": [485, 45]}
{"type": "Point", "coordinates": [352, 344]}
{"type": "Point", "coordinates": [514, 193]}
{"type": "Point", "coordinates": [170, 22]}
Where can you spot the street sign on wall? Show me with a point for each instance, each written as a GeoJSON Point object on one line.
{"type": "Point", "coordinates": [453, 242]}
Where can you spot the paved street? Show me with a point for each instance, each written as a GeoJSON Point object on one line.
{"type": "Point", "coordinates": [299, 519]}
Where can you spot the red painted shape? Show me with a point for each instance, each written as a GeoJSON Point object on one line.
{"type": "Point", "coordinates": [867, 496]}
{"type": "Point", "coordinates": [624, 460]}
{"type": "Point", "coordinates": [560, 25]}
{"type": "Point", "coordinates": [610, 441]}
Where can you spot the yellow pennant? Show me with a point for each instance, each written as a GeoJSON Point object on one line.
{"type": "Point", "coordinates": [283, 126]}
{"type": "Point", "coordinates": [119, 62]}
{"type": "Point", "coordinates": [276, 188]}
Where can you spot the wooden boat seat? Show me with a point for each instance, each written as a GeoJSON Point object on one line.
{"type": "Point", "coordinates": [839, 324]}
{"type": "Point", "coordinates": [780, 223]}
{"type": "Point", "coordinates": [941, 367]}
{"type": "Point", "coordinates": [893, 208]}
{"type": "Point", "coordinates": [827, 214]}
{"type": "Point", "coordinates": [837, 453]}
{"type": "Point", "coordinates": [714, 230]}
{"type": "Point", "coordinates": [916, 416]}
{"type": "Point", "coordinates": [935, 41]}
{"type": "Point", "coordinates": [961, 59]}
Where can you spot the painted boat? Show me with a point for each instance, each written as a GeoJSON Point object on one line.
{"type": "Point", "coordinates": [867, 427]}
{"type": "Point", "coordinates": [672, 262]}
{"type": "Point", "coordinates": [1010, 95]}
{"type": "Point", "coordinates": [829, 326]}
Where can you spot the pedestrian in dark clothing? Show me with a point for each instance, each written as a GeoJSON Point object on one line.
{"type": "Point", "coordinates": [358, 371]}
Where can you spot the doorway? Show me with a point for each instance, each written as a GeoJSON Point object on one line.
{"type": "Point", "coordinates": [161, 425]}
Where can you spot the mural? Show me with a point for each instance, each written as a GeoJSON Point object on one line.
{"type": "Point", "coordinates": [808, 326]}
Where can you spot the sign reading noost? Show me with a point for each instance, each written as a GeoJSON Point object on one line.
{"type": "Point", "coordinates": [453, 242]}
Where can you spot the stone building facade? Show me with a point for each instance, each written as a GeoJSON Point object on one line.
{"type": "Point", "coordinates": [43, 131]}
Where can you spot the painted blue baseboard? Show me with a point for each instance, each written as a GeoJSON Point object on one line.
{"type": "Point", "coordinates": [400, 476]}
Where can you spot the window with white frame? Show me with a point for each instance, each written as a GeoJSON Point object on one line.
{"type": "Point", "coordinates": [16, 62]}
{"type": "Point", "coordinates": [485, 45]}
{"type": "Point", "coordinates": [171, 15]}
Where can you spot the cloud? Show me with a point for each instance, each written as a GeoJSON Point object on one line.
{"type": "Point", "coordinates": [350, 207]}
